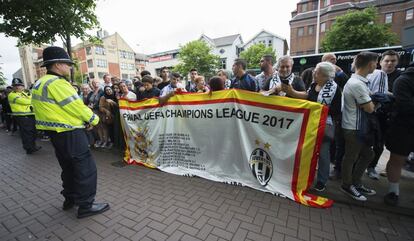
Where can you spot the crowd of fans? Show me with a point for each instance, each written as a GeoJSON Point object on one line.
{"type": "Point", "coordinates": [370, 109]}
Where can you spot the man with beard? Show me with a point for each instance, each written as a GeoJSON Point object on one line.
{"type": "Point", "coordinates": [285, 80]}
{"type": "Point", "coordinates": [268, 73]}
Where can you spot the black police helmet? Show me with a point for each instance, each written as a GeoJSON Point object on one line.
{"type": "Point", "coordinates": [55, 54]}
{"type": "Point", "coordinates": [17, 81]}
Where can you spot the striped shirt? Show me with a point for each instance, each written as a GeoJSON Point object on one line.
{"type": "Point", "coordinates": [355, 94]}
{"type": "Point", "coordinates": [378, 82]}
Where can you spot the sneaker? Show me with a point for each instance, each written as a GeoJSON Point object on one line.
{"type": "Point", "coordinates": [98, 144]}
{"type": "Point", "coordinates": [391, 199]}
{"type": "Point", "coordinates": [320, 187]}
{"type": "Point", "coordinates": [103, 144]}
{"type": "Point", "coordinates": [109, 145]}
{"type": "Point", "coordinates": [353, 192]}
{"type": "Point", "coordinates": [364, 190]}
{"type": "Point", "coordinates": [372, 173]}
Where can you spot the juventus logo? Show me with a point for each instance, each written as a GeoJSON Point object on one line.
{"type": "Point", "coordinates": [261, 166]}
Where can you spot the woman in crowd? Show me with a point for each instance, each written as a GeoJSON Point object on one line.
{"type": "Point", "coordinates": [129, 84]}
{"type": "Point", "coordinates": [225, 76]}
{"type": "Point", "coordinates": [92, 100]}
{"type": "Point", "coordinates": [126, 93]}
{"type": "Point", "coordinates": [85, 90]}
{"type": "Point", "coordinates": [106, 108]}
{"type": "Point", "coordinates": [116, 90]}
{"type": "Point", "coordinates": [118, 138]}
{"type": "Point", "coordinates": [323, 90]}
{"type": "Point", "coordinates": [307, 77]}
{"type": "Point", "coordinates": [217, 83]}
{"type": "Point", "coordinates": [76, 87]}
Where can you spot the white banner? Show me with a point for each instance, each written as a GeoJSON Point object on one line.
{"type": "Point", "coordinates": [231, 136]}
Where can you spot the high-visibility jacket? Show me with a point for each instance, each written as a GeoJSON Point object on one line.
{"type": "Point", "coordinates": [20, 103]}
{"type": "Point", "coordinates": [57, 106]}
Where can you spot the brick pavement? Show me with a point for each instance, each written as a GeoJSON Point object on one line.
{"type": "Point", "coordinates": [151, 205]}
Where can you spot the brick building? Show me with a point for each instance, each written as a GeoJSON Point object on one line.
{"type": "Point", "coordinates": [114, 56]}
{"type": "Point", "coordinates": [399, 13]}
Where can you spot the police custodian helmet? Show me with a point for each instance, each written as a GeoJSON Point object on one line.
{"type": "Point", "coordinates": [17, 81]}
{"type": "Point", "coordinates": [55, 54]}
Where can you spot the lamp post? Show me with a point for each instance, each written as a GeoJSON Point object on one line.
{"type": "Point", "coordinates": [318, 23]}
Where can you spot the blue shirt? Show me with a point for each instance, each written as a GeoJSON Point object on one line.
{"type": "Point", "coordinates": [246, 82]}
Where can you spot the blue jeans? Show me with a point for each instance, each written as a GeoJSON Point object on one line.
{"type": "Point", "coordinates": [324, 154]}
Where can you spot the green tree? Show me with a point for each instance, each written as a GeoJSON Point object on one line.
{"type": "Point", "coordinates": [254, 53]}
{"type": "Point", "coordinates": [2, 79]}
{"type": "Point", "coordinates": [197, 54]}
{"type": "Point", "coordinates": [78, 77]}
{"type": "Point", "coordinates": [358, 30]}
{"type": "Point", "coordinates": [42, 21]}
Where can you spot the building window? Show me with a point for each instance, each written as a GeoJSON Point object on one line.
{"type": "Point", "coordinates": [124, 66]}
{"type": "Point", "coordinates": [323, 27]}
{"type": "Point", "coordinates": [92, 75]}
{"type": "Point", "coordinates": [101, 63]}
{"type": "Point", "coordinates": [100, 50]}
{"type": "Point", "coordinates": [126, 55]}
{"type": "Point", "coordinates": [101, 74]}
{"type": "Point", "coordinates": [304, 7]}
{"type": "Point", "coordinates": [409, 14]}
{"type": "Point", "coordinates": [314, 5]}
{"type": "Point", "coordinates": [131, 66]}
{"type": "Point", "coordinates": [300, 31]}
{"type": "Point", "coordinates": [326, 3]}
{"type": "Point", "coordinates": [388, 18]}
{"type": "Point", "coordinates": [311, 29]}
{"type": "Point", "coordinates": [270, 43]}
{"type": "Point", "coordinates": [88, 50]}
{"type": "Point", "coordinates": [90, 63]}
{"type": "Point", "coordinates": [124, 76]}
{"type": "Point", "coordinates": [223, 63]}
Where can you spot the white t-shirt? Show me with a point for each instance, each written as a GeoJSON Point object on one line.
{"type": "Point", "coordinates": [356, 93]}
{"type": "Point", "coordinates": [168, 89]}
{"type": "Point", "coordinates": [378, 82]}
{"type": "Point", "coordinates": [130, 96]}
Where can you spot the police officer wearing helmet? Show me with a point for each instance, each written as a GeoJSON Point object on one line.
{"type": "Point", "coordinates": [20, 103]}
{"type": "Point", "coordinates": [62, 114]}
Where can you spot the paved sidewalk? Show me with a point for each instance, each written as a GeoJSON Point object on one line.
{"type": "Point", "coordinates": [151, 205]}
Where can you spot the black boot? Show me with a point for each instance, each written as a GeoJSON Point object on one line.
{"type": "Point", "coordinates": [35, 149]}
{"type": "Point", "coordinates": [68, 204]}
{"type": "Point", "coordinates": [95, 208]}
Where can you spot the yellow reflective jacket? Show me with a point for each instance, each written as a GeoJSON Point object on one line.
{"type": "Point", "coordinates": [20, 103]}
{"type": "Point", "coordinates": [57, 106]}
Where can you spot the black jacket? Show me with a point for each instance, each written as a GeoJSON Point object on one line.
{"type": "Point", "coordinates": [404, 97]}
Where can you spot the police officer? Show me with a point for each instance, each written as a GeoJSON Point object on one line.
{"type": "Point", "coordinates": [62, 114]}
{"type": "Point", "coordinates": [20, 103]}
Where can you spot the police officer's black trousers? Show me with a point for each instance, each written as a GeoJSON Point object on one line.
{"type": "Point", "coordinates": [78, 166]}
{"type": "Point", "coordinates": [27, 125]}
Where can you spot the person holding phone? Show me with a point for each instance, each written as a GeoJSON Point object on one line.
{"type": "Point", "coordinates": [284, 81]}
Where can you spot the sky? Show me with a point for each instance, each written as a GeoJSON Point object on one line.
{"type": "Point", "coordinates": [151, 26]}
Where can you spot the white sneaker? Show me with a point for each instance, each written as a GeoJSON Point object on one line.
{"type": "Point", "coordinates": [372, 173]}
